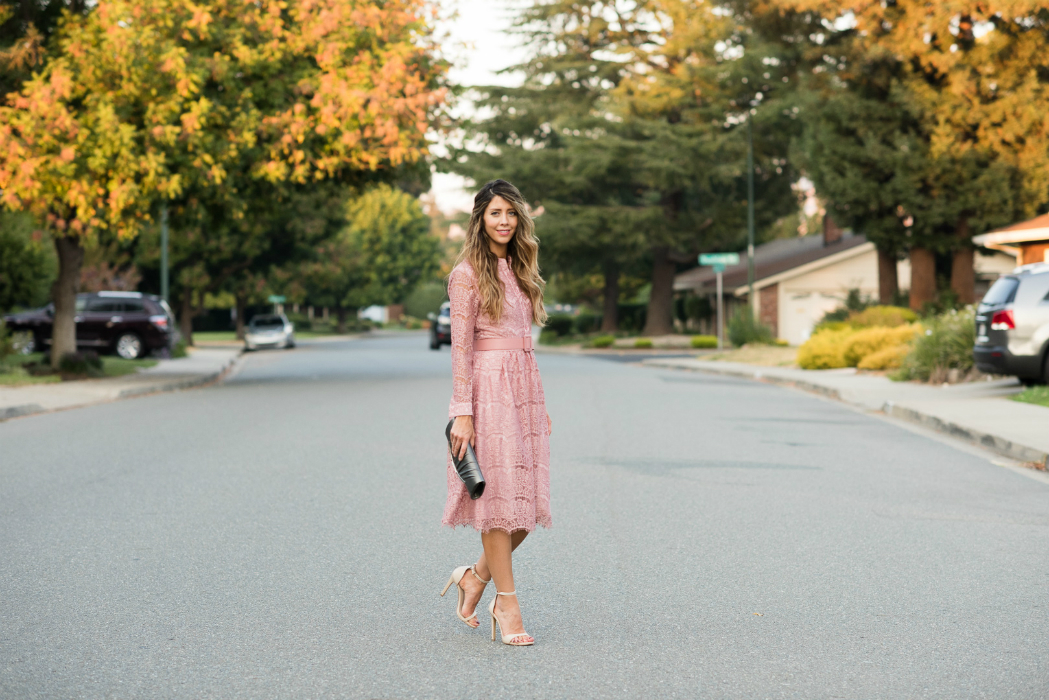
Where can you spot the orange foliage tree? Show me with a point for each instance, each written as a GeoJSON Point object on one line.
{"type": "Point", "coordinates": [149, 100]}
{"type": "Point", "coordinates": [972, 78]}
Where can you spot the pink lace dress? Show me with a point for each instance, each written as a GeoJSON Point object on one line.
{"type": "Point", "coordinates": [501, 389]}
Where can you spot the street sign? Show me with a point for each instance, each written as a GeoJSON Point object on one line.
{"type": "Point", "coordinates": [723, 259]}
{"type": "Point", "coordinates": [277, 298]}
{"type": "Point", "coordinates": [719, 261]}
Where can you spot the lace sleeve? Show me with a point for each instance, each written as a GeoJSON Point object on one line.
{"type": "Point", "coordinates": [463, 294]}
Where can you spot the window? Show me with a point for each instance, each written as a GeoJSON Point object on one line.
{"type": "Point", "coordinates": [1002, 292]}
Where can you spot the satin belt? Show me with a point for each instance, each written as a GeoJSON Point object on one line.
{"type": "Point", "coordinates": [504, 343]}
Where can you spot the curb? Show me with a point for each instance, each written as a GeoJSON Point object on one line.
{"type": "Point", "coordinates": [184, 383]}
{"type": "Point", "coordinates": [193, 382]}
{"type": "Point", "coordinates": [1002, 446]}
{"type": "Point", "coordinates": [18, 411]}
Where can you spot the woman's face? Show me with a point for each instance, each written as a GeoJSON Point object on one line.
{"type": "Point", "coordinates": [500, 221]}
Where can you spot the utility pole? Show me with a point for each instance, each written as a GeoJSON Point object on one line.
{"type": "Point", "coordinates": [750, 210]}
{"type": "Point", "coordinates": [164, 282]}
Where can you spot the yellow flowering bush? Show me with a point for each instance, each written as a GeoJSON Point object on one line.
{"type": "Point", "coordinates": [886, 358]}
{"type": "Point", "coordinates": [871, 340]}
{"type": "Point", "coordinates": [825, 349]}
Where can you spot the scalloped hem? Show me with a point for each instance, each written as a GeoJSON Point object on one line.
{"type": "Point", "coordinates": [546, 523]}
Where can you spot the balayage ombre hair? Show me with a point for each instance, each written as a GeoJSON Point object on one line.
{"type": "Point", "coordinates": [522, 253]}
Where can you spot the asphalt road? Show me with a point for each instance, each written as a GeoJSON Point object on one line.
{"type": "Point", "coordinates": [279, 536]}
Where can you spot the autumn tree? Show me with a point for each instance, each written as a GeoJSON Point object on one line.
{"type": "Point", "coordinates": [172, 100]}
{"type": "Point", "coordinates": [382, 253]}
{"type": "Point", "coordinates": [962, 148]}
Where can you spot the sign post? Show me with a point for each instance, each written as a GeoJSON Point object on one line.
{"type": "Point", "coordinates": [719, 261]}
{"type": "Point", "coordinates": [278, 302]}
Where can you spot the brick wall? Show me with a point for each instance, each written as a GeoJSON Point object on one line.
{"type": "Point", "coordinates": [768, 307]}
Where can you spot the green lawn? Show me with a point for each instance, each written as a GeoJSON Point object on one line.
{"type": "Point", "coordinates": [12, 374]}
{"type": "Point", "coordinates": [118, 366]}
{"type": "Point", "coordinates": [213, 336]}
{"type": "Point", "coordinates": [1038, 395]}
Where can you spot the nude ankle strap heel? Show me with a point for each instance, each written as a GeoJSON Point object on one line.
{"type": "Point", "coordinates": [508, 639]}
{"type": "Point", "coordinates": [456, 577]}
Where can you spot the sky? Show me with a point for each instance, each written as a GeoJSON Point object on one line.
{"type": "Point", "coordinates": [480, 45]}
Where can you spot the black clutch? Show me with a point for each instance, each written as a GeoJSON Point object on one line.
{"type": "Point", "coordinates": [467, 468]}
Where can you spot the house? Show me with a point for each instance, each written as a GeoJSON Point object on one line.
{"type": "Point", "coordinates": [798, 280]}
{"type": "Point", "coordinates": [1028, 242]}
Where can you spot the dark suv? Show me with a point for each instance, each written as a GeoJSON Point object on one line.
{"type": "Point", "coordinates": [1012, 326]}
{"type": "Point", "coordinates": [131, 324]}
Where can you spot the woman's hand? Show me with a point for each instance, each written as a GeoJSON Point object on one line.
{"type": "Point", "coordinates": [549, 425]}
{"type": "Point", "coordinates": [462, 435]}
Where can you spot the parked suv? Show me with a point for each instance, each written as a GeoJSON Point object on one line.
{"type": "Point", "coordinates": [131, 324]}
{"type": "Point", "coordinates": [1012, 325]}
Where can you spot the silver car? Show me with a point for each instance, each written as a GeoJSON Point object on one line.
{"type": "Point", "coordinates": [1012, 326]}
{"type": "Point", "coordinates": [269, 331]}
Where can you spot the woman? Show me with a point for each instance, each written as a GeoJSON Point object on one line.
{"type": "Point", "coordinates": [497, 402]}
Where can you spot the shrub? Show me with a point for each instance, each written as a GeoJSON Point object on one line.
{"type": "Point", "coordinates": [603, 341]}
{"type": "Point", "coordinates": [946, 344]}
{"type": "Point", "coordinates": [559, 324]}
{"type": "Point", "coordinates": [643, 343]}
{"type": "Point", "coordinates": [743, 328]}
{"type": "Point", "coordinates": [886, 358]}
{"type": "Point", "coordinates": [587, 323]}
{"type": "Point", "coordinates": [704, 341]}
{"type": "Point", "coordinates": [179, 350]}
{"type": "Point", "coordinates": [425, 299]}
{"type": "Point", "coordinates": [881, 316]}
{"type": "Point", "coordinates": [871, 340]}
{"type": "Point", "coordinates": [84, 362]}
{"type": "Point", "coordinates": [547, 336]}
{"type": "Point", "coordinates": [825, 349]}
{"type": "Point", "coordinates": [855, 301]}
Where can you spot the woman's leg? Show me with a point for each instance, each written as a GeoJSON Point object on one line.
{"type": "Point", "coordinates": [474, 588]}
{"type": "Point", "coordinates": [498, 548]}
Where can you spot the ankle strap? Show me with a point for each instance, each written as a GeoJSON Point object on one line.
{"type": "Point", "coordinates": [507, 593]}
{"type": "Point", "coordinates": [473, 571]}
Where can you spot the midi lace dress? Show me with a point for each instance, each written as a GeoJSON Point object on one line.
{"type": "Point", "coordinates": [501, 389]}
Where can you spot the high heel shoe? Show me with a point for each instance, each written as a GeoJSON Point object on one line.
{"type": "Point", "coordinates": [508, 639]}
{"type": "Point", "coordinates": [456, 577]}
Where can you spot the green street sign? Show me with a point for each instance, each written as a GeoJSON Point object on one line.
{"type": "Point", "coordinates": [723, 259]}
{"type": "Point", "coordinates": [277, 298]}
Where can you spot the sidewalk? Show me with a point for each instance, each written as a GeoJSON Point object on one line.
{"type": "Point", "coordinates": [979, 412]}
{"type": "Point", "coordinates": [203, 366]}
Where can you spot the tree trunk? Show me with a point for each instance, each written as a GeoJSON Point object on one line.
{"type": "Point", "coordinates": [923, 278]}
{"type": "Point", "coordinates": [661, 300]}
{"type": "Point", "coordinates": [240, 316]}
{"type": "Point", "coordinates": [63, 293]}
{"type": "Point", "coordinates": [340, 323]}
{"type": "Point", "coordinates": [963, 271]}
{"type": "Point", "coordinates": [185, 321]}
{"type": "Point", "coordinates": [888, 283]}
{"type": "Point", "coordinates": [610, 312]}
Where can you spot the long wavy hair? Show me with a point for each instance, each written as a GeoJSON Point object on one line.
{"type": "Point", "coordinates": [522, 253]}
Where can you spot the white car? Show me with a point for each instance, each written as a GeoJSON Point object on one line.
{"type": "Point", "coordinates": [269, 331]}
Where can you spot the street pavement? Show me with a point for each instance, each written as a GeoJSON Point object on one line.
{"type": "Point", "coordinates": [278, 536]}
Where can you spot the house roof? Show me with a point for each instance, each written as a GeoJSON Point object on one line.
{"type": "Point", "coordinates": [1037, 229]}
{"type": "Point", "coordinates": [777, 259]}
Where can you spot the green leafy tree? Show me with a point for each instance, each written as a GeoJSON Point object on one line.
{"type": "Point", "coordinates": [620, 131]}
{"type": "Point", "coordinates": [379, 257]}
{"type": "Point", "coordinates": [27, 264]}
